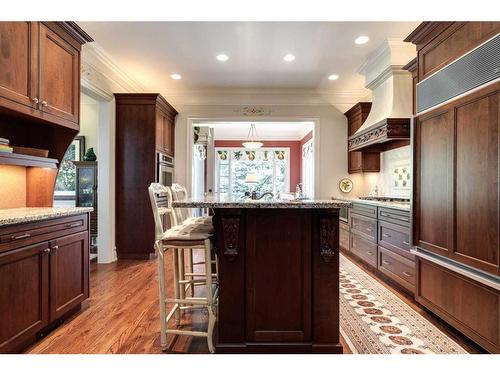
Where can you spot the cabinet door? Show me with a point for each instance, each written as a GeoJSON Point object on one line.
{"type": "Point", "coordinates": [59, 76]}
{"type": "Point", "coordinates": [433, 192]}
{"type": "Point", "coordinates": [168, 135]}
{"type": "Point", "coordinates": [69, 273]}
{"type": "Point", "coordinates": [159, 132]}
{"type": "Point", "coordinates": [24, 295]}
{"type": "Point", "coordinates": [477, 202]}
{"type": "Point", "coordinates": [19, 64]}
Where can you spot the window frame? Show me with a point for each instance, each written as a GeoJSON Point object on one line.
{"type": "Point", "coordinates": [243, 149]}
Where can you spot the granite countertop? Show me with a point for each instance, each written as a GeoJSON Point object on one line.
{"type": "Point", "coordinates": [394, 205]}
{"type": "Point", "coordinates": [215, 203]}
{"type": "Point", "coordinates": [23, 215]}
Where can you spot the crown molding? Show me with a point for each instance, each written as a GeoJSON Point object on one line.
{"type": "Point", "coordinates": [100, 70]}
{"type": "Point", "coordinates": [269, 97]}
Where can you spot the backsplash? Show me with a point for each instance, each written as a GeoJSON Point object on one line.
{"type": "Point", "coordinates": [395, 175]}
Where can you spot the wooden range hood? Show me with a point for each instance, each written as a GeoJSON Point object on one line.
{"type": "Point", "coordinates": [385, 135]}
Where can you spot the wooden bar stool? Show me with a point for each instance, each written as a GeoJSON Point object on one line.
{"type": "Point", "coordinates": [185, 216]}
{"type": "Point", "coordinates": [180, 238]}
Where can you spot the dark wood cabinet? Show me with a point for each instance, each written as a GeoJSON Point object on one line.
{"type": "Point", "coordinates": [69, 273]}
{"type": "Point", "coordinates": [456, 195]}
{"type": "Point", "coordinates": [24, 295]}
{"type": "Point", "coordinates": [456, 191]}
{"type": "Point", "coordinates": [144, 127]}
{"type": "Point", "coordinates": [59, 79]}
{"type": "Point", "coordinates": [19, 64]}
{"type": "Point", "coordinates": [44, 276]}
{"type": "Point", "coordinates": [40, 70]}
{"type": "Point", "coordinates": [360, 161]}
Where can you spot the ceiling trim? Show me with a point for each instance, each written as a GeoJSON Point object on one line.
{"type": "Point", "coordinates": [292, 97]}
{"type": "Point", "coordinates": [100, 68]}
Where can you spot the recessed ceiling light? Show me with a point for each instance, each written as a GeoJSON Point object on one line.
{"type": "Point", "coordinates": [361, 39]}
{"type": "Point", "coordinates": [176, 76]}
{"type": "Point", "coordinates": [289, 57]}
{"type": "Point", "coordinates": [222, 57]}
{"type": "Point", "coordinates": [333, 77]}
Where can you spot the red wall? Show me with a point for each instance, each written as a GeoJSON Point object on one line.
{"type": "Point", "coordinates": [295, 156]}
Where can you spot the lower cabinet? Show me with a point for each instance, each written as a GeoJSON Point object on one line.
{"type": "Point", "coordinates": [24, 295]}
{"type": "Point", "coordinates": [43, 276]}
{"type": "Point", "coordinates": [471, 307]}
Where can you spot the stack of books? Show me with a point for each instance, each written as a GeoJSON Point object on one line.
{"type": "Point", "coordinates": [4, 145]}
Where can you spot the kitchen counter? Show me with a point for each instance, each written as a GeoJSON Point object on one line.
{"type": "Point", "coordinates": [23, 215]}
{"type": "Point", "coordinates": [278, 264]}
{"type": "Point", "coordinates": [394, 205]}
{"type": "Point", "coordinates": [216, 203]}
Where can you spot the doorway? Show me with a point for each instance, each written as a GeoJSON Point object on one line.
{"type": "Point", "coordinates": [222, 165]}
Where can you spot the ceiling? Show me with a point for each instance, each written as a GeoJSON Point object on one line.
{"type": "Point", "coordinates": [151, 51]}
{"type": "Point", "coordinates": [266, 131]}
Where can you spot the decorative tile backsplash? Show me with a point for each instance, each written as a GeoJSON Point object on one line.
{"type": "Point", "coordinates": [400, 178]}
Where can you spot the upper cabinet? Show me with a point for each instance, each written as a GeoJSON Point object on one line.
{"type": "Point", "coordinates": [360, 161]}
{"type": "Point", "coordinates": [40, 70]}
{"type": "Point", "coordinates": [165, 127]}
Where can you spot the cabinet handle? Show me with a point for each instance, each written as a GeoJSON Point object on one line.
{"type": "Point", "coordinates": [44, 103]}
{"type": "Point", "coordinates": [386, 262]}
{"type": "Point", "coordinates": [35, 101]}
{"type": "Point", "coordinates": [387, 235]}
{"type": "Point", "coordinates": [55, 247]}
{"type": "Point", "coordinates": [407, 274]}
{"type": "Point", "coordinates": [406, 243]}
{"type": "Point", "coordinates": [392, 217]}
{"type": "Point", "coordinates": [20, 237]}
{"type": "Point", "coordinates": [46, 251]}
{"type": "Point", "coordinates": [369, 253]}
{"type": "Point", "coordinates": [73, 225]}
{"type": "Point", "coordinates": [369, 229]}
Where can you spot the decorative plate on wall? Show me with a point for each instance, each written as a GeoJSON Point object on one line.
{"type": "Point", "coordinates": [345, 185]}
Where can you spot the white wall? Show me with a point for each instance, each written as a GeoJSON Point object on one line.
{"type": "Point", "coordinates": [89, 121]}
{"type": "Point", "coordinates": [331, 140]}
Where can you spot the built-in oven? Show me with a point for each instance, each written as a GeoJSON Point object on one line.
{"type": "Point", "coordinates": [344, 214]}
{"type": "Point", "coordinates": [164, 169]}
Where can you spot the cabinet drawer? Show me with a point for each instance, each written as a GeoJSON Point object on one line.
{"type": "Point", "coordinates": [399, 217]}
{"type": "Point", "coordinates": [365, 226]}
{"type": "Point", "coordinates": [364, 209]}
{"type": "Point", "coordinates": [15, 236]}
{"type": "Point", "coordinates": [395, 237]}
{"type": "Point", "coordinates": [364, 249]}
{"type": "Point", "coordinates": [344, 239]}
{"type": "Point", "coordinates": [398, 268]}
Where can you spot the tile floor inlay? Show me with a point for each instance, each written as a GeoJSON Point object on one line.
{"type": "Point", "coordinates": [374, 320]}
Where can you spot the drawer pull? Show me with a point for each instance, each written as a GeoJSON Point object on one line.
{"type": "Point", "coordinates": [369, 229]}
{"type": "Point", "coordinates": [369, 253]}
{"type": "Point", "coordinates": [387, 235]}
{"type": "Point", "coordinates": [386, 262]}
{"type": "Point", "coordinates": [73, 225]}
{"type": "Point", "coordinates": [407, 274]}
{"type": "Point", "coordinates": [406, 243]}
{"type": "Point", "coordinates": [46, 251]}
{"type": "Point", "coordinates": [55, 247]}
{"type": "Point", "coordinates": [393, 217]}
{"type": "Point", "coordinates": [20, 237]}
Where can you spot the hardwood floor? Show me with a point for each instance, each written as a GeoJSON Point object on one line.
{"type": "Point", "coordinates": [122, 316]}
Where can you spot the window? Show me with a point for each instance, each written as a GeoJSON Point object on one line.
{"type": "Point", "coordinates": [308, 169]}
{"type": "Point", "coordinates": [271, 165]}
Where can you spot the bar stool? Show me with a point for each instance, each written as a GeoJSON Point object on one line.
{"type": "Point", "coordinates": [185, 216]}
{"type": "Point", "coordinates": [180, 238]}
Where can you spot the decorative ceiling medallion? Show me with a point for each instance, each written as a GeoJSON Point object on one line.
{"type": "Point", "coordinates": [254, 111]}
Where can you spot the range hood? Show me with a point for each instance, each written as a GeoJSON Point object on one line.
{"type": "Point", "coordinates": [388, 124]}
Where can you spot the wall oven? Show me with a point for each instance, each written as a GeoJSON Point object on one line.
{"type": "Point", "coordinates": [164, 169]}
{"type": "Point", "coordinates": [344, 214]}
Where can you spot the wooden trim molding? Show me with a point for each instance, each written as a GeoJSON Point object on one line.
{"type": "Point", "coordinates": [384, 131]}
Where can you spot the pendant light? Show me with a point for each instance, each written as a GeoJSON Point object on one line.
{"type": "Point", "coordinates": [251, 142]}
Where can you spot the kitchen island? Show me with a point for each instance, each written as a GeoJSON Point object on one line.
{"type": "Point", "coordinates": [278, 274]}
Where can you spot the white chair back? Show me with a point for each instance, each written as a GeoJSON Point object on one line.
{"type": "Point", "coordinates": [161, 203]}
{"type": "Point", "coordinates": [180, 194]}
